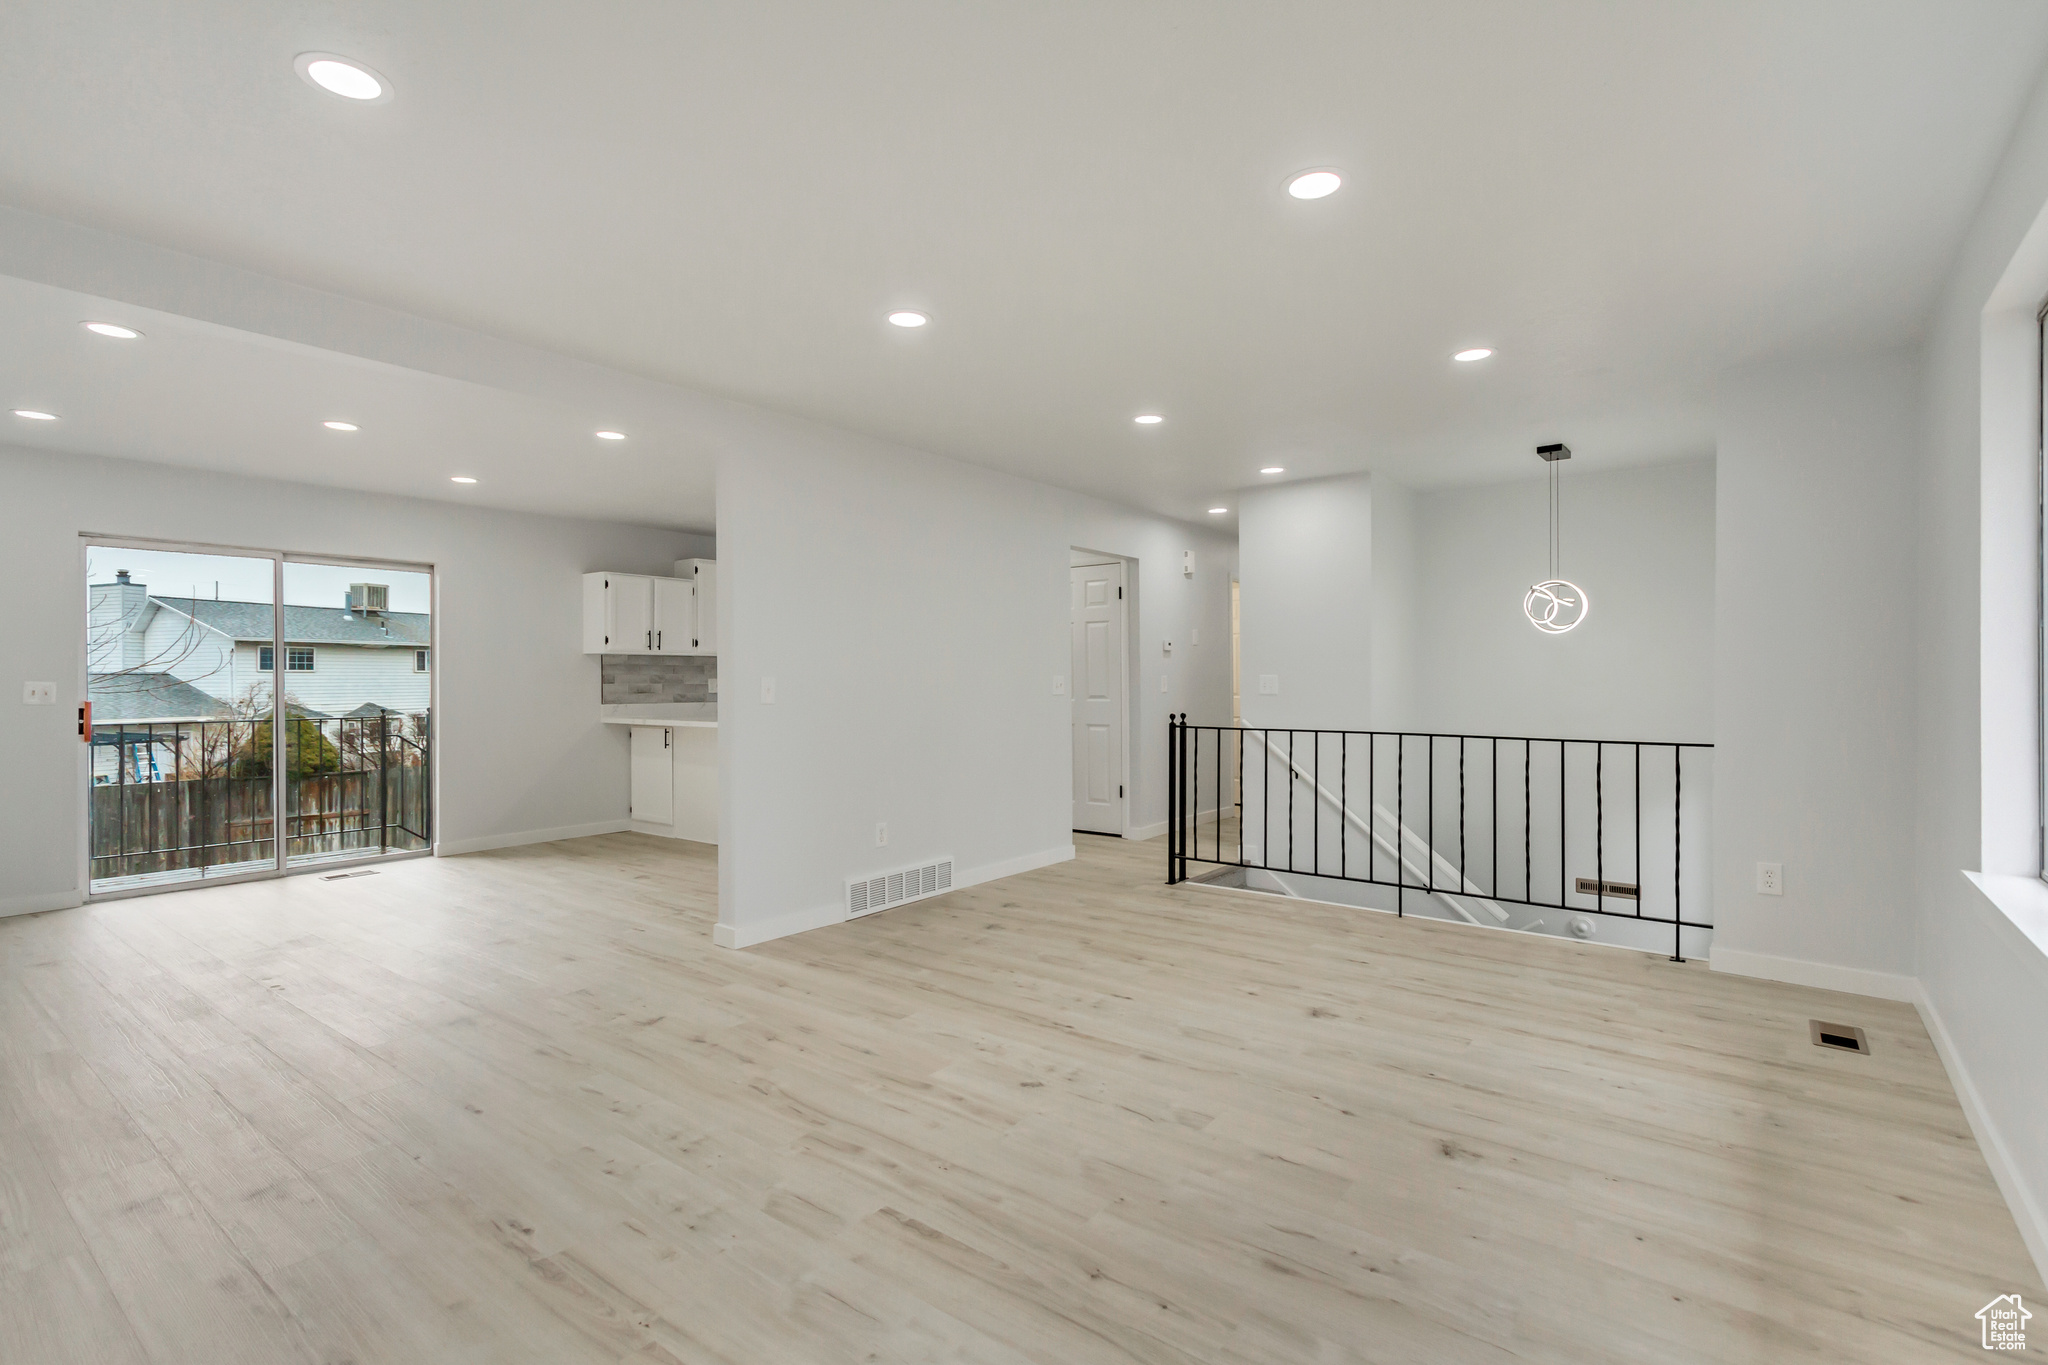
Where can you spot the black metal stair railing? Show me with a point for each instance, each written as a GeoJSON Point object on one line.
{"type": "Point", "coordinates": [1284, 800]}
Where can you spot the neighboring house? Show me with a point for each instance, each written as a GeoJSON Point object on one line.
{"type": "Point", "coordinates": [151, 657]}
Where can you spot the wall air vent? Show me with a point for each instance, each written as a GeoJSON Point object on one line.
{"type": "Point", "coordinates": [886, 890]}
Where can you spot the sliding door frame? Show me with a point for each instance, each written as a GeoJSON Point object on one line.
{"type": "Point", "coordinates": [280, 841]}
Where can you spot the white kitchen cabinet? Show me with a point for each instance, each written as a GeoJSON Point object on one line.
{"type": "Point", "coordinates": [704, 573]}
{"type": "Point", "coordinates": [654, 775]}
{"type": "Point", "coordinates": [618, 613]}
{"type": "Point", "coordinates": [675, 615]}
{"type": "Point", "coordinates": [625, 613]}
{"type": "Point", "coordinates": [674, 789]}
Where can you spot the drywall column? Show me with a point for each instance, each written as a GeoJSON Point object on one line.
{"type": "Point", "coordinates": [1813, 672]}
{"type": "Point", "coordinates": [911, 612]}
{"type": "Point", "coordinates": [1305, 603]}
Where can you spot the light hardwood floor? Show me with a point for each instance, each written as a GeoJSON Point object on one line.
{"type": "Point", "coordinates": [515, 1107]}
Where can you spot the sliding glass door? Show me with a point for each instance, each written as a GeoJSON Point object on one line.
{"type": "Point", "coordinates": [357, 682]}
{"type": "Point", "coordinates": [252, 712]}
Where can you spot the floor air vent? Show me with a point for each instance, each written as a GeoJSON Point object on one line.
{"type": "Point", "coordinates": [1841, 1037]}
{"type": "Point", "coordinates": [865, 895]}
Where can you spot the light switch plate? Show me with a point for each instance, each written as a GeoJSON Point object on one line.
{"type": "Point", "coordinates": [39, 694]}
{"type": "Point", "coordinates": [1059, 685]}
{"type": "Point", "coordinates": [768, 690]}
{"type": "Point", "coordinates": [1269, 684]}
{"type": "Point", "coordinates": [1770, 879]}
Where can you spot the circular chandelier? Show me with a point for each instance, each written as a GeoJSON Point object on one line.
{"type": "Point", "coordinates": [1557, 604]}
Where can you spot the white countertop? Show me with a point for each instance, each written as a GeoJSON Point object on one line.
{"type": "Point", "coordinates": [690, 714]}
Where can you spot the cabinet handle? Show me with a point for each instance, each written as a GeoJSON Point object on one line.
{"type": "Point", "coordinates": [650, 639]}
{"type": "Point", "coordinates": [657, 639]}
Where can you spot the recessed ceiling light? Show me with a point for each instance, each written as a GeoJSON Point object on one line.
{"type": "Point", "coordinates": [1314, 184]}
{"type": "Point", "coordinates": [113, 329]}
{"type": "Point", "coordinates": [1218, 511]}
{"type": "Point", "coordinates": [341, 426]}
{"type": "Point", "coordinates": [611, 436]}
{"type": "Point", "coordinates": [1272, 469]}
{"type": "Point", "coordinates": [342, 76]}
{"type": "Point", "coordinates": [460, 478]}
{"type": "Point", "coordinates": [1476, 353]}
{"type": "Point", "coordinates": [908, 319]}
{"type": "Point", "coordinates": [35, 416]}
{"type": "Point", "coordinates": [1148, 419]}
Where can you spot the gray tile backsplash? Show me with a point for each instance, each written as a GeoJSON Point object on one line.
{"type": "Point", "coordinates": [630, 678]}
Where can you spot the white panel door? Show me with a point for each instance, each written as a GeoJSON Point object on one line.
{"type": "Point", "coordinates": [675, 614]}
{"type": "Point", "coordinates": [1098, 697]}
{"type": "Point", "coordinates": [654, 775]}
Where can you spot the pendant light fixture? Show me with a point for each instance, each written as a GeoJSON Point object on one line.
{"type": "Point", "coordinates": [1555, 605]}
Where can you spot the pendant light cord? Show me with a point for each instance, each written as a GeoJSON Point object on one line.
{"type": "Point", "coordinates": [1553, 518]}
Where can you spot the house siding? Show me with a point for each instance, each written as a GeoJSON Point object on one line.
{"type": "Point", "coordinates": [346, 676]}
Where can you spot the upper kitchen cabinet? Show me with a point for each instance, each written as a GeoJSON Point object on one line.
{"type": "Point", "coordinates": [641, 614]}
{"type": "Point", "coordinates": [704, 631]}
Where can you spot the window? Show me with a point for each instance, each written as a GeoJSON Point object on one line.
{"type": "Point", "coordinates": [264, 662]}
{"type": "Point", "coordinates": [419, 661]}
{"type": "Point", "coordinates": [298, 658]}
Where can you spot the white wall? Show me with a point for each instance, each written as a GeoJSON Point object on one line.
{"type": "Point", "coordinates": [1396, 606]}
{"type": "Point", "coordinates": [1639, 541]}
{"type": "Point", "coordinates": [1305, 603]}
{"type": "Point", "coordinates": [913, 612]}
{"type": "Point", "coordinates": [1813, 670]}
{"type": "Point", "coordinates": [522, 752]}
{"type": "Point", "coordinates": [1983, 983]}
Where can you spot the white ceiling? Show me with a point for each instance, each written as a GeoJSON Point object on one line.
{"type": "Point", "coordinates": [1624, 199]}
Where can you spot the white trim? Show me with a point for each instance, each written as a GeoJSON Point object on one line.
{"type": "Point", "coordinates": [36, 905]}
{"type": "Point", "coordinates": [1824, 975]}
{"type": "Point", "coordinates": [2012, 1183]}
{"type": "Point", "coordinates": [1158, 827]}
{"type": "Point", "coordinates": [447, 847]}
{"type": "Point", "coordinates": [819, 917]}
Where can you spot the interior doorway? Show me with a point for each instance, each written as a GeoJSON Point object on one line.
{"type": "Point", "coordinates": [1099, 696]}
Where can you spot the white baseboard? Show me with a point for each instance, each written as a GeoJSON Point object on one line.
{"type": "Point", "coordinates": [1010, 867]}
{"type": "Point", "coordinates": [1158, 827]}
{"type": "Point", "coordinates": [820, 917]}
{"type": "Point", "coordinates": [446, 847]}
{"type": "Point", "coordinates": [782, 926]}
{"type": "Point", "coordinates": [1828, 977]}
{"type": "Point", "coordinates": [2012, 1183]}
{"type": "Point", "coordinates": [35, 905]}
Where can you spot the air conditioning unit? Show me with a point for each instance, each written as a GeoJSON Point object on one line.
{"type": "Point", "coordinates": [365, 599]}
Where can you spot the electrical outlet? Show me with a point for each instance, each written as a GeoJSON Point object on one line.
{"type": "Point", "coordinates": [881, 834]}
{"type": "Point", "coordinates": [1059, 685]}
{"type": "Point", "coordinates": [1770, 879]}
{"type": "Point", "coordinates": [1269, 684]}
{"type": "Point", "coordinates": [39, 694]}
{"type": "Point", "coordinates": [768, 691]}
